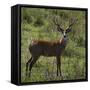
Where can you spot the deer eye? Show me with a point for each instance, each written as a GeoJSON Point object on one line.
{"type": "Point", "coordinates": [68, 30]}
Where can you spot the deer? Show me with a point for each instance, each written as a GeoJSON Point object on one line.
{"type": "Point", "coordinates": [39, 48]}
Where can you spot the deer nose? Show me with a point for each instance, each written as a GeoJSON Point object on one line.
{"type": "Point", "coordinates": [64, 36]}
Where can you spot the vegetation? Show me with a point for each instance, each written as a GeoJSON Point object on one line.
{"type": "Point", "coordinates": [37, 24]}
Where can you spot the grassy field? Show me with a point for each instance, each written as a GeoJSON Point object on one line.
{"type": "Point", "coordinates": [37, 24]}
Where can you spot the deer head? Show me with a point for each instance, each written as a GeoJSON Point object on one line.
{"type": "Point", "coordinates": [69, 29]}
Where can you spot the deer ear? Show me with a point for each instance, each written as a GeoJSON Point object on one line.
{"type": "Point", "coordinates": [68, 30]}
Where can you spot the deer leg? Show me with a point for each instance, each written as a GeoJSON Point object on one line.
{"type": "Point", "coordinates": [31, 64]}
{"type": "Point", "coordinates": [59, 65]}
{"type": "Point", "coordinates": [27, 64]}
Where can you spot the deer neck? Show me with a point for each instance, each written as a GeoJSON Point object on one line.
{"type": "Point", "coordinates": [63, 41]}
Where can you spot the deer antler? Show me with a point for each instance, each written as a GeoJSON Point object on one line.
{"type": "Point", "coordinates": [57, 24]}
{"type": "Point", "coordinates": [73, 20]}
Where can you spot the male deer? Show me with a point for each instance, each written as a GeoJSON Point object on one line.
{"type": "Point", "coordinates": [48, 49]}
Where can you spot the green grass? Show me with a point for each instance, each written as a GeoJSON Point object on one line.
{"type": "Point", "coordinates": [45, 69]}
{"type": "Point", "coordinates": [72, 61]}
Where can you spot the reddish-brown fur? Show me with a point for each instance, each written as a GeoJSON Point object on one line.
{"type": "Point", "coordinates": [46, 48]}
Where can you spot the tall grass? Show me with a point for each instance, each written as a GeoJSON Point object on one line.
{"type": "Point", "coordinates": [37, 24]}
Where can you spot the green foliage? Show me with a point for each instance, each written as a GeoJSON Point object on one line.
{"type": "Point", "coordinates": [38, 24]}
